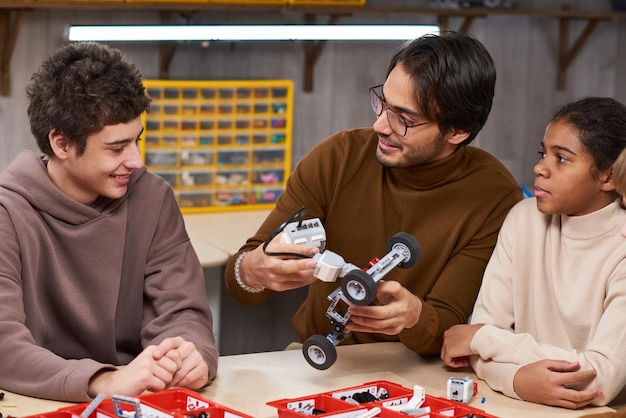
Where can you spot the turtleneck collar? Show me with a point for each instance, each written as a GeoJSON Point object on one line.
{"type": "Point", "coordinates": [435, 173]}
{"type": "Point", "coordinates": [594, 224]}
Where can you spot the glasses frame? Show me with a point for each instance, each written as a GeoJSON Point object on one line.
{"type": "Point", "coordinates": [385, 107]}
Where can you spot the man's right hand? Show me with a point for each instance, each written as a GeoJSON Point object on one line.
{"type": "Point", "coordinates": [278, 273]}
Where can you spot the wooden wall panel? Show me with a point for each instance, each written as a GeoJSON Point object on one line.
{"type": "Point", "coordinates": [510, 50]}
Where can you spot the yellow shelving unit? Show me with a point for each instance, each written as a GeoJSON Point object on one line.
{"type": "Point", "coordinates": [221, 145]}
{"type": "Point", "coordinates": [248, 1]}
{"type": "Point", "coordinates": [234, 2]}
{"type": "Point", "coordinates": [327, 2]}
{"type": "Point", "coordinates": [293, 2]}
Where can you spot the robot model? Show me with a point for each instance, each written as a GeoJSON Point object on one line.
{"type": "Point", "coordinates": [357, 286]}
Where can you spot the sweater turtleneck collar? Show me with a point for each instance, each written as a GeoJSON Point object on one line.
{"type": "Point", "coordinates": [433, 174]}
{"type": "Point", "coordinates": [594, 224]}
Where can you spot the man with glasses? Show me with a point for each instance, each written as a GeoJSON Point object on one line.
{"type": "Point", "coordinates": [412, 172]}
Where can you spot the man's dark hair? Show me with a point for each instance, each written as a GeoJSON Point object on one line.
{"type": "Point", "coordinates": [80, 89]}
{"type": "Point", "coordinates": [453, 77]}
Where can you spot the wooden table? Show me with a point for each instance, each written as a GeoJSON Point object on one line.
{"type": "Point", "coordinates": [208, 254]}
{"type": "Point", "coordinates": [246, 382]}
{"type": "Point", "coordinates": [227, 231]}
{"type": "Point", "coordinates": [215, 237]}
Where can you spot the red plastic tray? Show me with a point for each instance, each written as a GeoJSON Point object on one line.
{"type": "Point", "coordinates": [172, 403]}
{"type": "Point", "coordinates": [341, 404]}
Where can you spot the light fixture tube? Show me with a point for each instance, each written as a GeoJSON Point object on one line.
{"type": "Point", "coordinates": [114, 33]}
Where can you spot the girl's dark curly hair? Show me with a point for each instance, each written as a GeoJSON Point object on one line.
{"type": "Point", "coordinates": [600, 123]}
{"type": "Point", "coordinates": [80, 89]}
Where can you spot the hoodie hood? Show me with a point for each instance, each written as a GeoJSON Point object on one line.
{"type": "Point", "coordinates": [28, 177]}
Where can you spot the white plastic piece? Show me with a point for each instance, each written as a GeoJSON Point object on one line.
{"type": "Point", "coordinates": [460, 389]}
{"type": "Point", "coordinates": [370, 413]}
{"type": "Point", "coordinates": [419, 397]}
{"type": "Point", "coordinates": [328, 267]}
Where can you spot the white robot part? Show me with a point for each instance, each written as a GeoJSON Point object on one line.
{"type": "Point", "coordinates": [460, 389]}
{"type": "Point", "coordinates": [330, 266]}
{"type": "Point", "coordinates": [305, 232]}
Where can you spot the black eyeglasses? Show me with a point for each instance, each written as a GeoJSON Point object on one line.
{"type": "Point", "coordinates": [396, 122]}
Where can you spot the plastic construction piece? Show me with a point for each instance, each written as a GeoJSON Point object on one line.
{"type": "Point", "coordinates": [461, 389]}
{"type": "Point", "coordinates": [120, 412]}
{"type": "Point", "coordinates": [92, 405]}
{"type": "Point", "coordinates": [391, 399]}
{"type": "Point", "coordinates": [357, 286]}
{"type": "Point", "coordinates": [371, 413]}
{"type": "Point", "coordinates": [415, 403]}
{"type": "Point", "coordinates": [305, 232]}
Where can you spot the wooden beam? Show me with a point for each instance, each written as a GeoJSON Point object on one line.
{"type": "Point", "coordinates": [443, 21]}
{"type": "Point", "coordinates": [9, 30]}
{"type": "Point", "coordinates": [566, 54]}
{"type": "Point", "coordinates": [259, 7]}
{"type": "Point", "coordinates": [166, 49]}
{"type": "Point", "coordinates": [467, 24]}
{"type": "Point", "coordinates": [312, 52]}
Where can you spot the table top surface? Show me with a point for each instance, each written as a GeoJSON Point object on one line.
{"type": "Point", "coordinates": [208, 254]}
{"type": "Point", "coordinates": [245, 383]}
{"type": "Point", "coordinates": [227, 231]}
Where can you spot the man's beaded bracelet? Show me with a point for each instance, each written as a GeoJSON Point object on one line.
{"type": "Point", "coordinates": [240, 281]}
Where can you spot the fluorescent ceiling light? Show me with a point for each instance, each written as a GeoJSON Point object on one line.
{"type": "Point", "coordinates": [248, 32]}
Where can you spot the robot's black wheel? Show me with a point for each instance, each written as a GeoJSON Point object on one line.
{"type": "Point", "coordinates": [407, 245]}
{"type": "Point", "coordinates": [358, 287]}
{"type": "Point", "coordinates": [319, 352]}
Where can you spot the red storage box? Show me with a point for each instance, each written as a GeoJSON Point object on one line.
{"type": "Point", "coordinates": [56, 414]}
{"type": "Point", "coordinates": [356, 400]}
{"type": "Point", "coordinates": [319, 405]}
{"type": "Point", "coordinates": [388, 393]}
{"type": "Point", "coordinates": [172, 403]}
